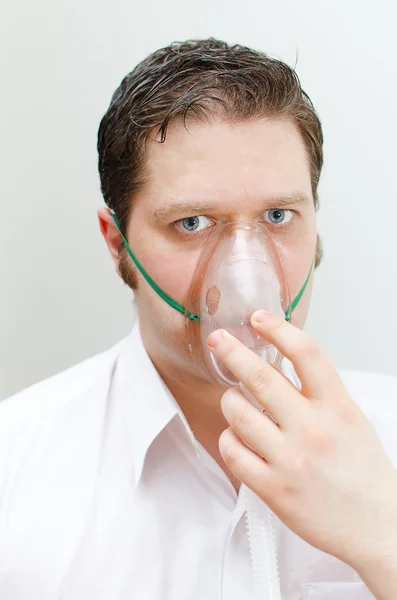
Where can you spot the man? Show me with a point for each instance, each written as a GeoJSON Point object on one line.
{"type": "Point", "coordinates": [121, 477]}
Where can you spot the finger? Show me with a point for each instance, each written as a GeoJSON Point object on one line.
{"type": "Point", "coordinates": [272, 390]}
{"type": "Point", "coordinates": [311, 364]}
{"type": "Point", "coordinates": [247, 466]}
{"type": "Point", "coordinates": [254, 428]}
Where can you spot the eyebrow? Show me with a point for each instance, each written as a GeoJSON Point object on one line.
{"type": "Point", "coordinates": [197, 207]}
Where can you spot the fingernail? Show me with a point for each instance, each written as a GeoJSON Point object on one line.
{"type": "Point", "coordinates": [215, 337]}
{"type": "Point", "coordinates": [259, 316]}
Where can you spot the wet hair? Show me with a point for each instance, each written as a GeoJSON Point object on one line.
{"type": "Point", "coordinates": [199, 80]}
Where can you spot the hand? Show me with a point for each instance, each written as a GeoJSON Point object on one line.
{"type": "Point", "coordinates": [320, 467]}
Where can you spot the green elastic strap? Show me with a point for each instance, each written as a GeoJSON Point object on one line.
{"type": "Point", "coordinates": [176, 304]}
{"type": "Point", "coordinates": [296, 301]}
{"type": "Point", "coordinates": [152, 283]}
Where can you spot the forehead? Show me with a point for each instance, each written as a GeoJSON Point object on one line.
{"type": "Point", "coordinates": [220, 161]}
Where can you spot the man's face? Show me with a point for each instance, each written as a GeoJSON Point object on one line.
{"type": "Point", "coordinates": [208, 174]}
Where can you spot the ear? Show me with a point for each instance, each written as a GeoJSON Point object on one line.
{"type": "Point", "coordinates": [319, 252]}
{"type": "Point", "coordinates": [111, 235]}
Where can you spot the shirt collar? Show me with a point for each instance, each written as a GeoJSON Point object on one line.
{"type": "Point", "coordinates": [147, 402]}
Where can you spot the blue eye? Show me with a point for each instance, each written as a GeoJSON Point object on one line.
{"type": "Point", "coordinates": [278, 216]}
{"type": "Point", "coordinates": [192, 224]}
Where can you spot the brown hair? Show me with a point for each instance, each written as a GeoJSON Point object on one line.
{"type": "Point", "coordinates": [196, 79]}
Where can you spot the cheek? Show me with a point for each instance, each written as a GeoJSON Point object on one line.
{"type": "Point", "coordinates": [171, 267]}
{"type": "Point", "coordinates": [296, 267]}
{"type": "Point", "coordinates": [297, 256]}
{"type": "Point", "coordinates": [177, 275]}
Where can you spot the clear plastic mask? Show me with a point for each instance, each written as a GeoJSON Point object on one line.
{"type": "Point", "coordinates": [239, 271]}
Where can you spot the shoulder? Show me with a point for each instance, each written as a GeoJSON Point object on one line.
{"type": "Point", "coordinates": [51, 440]}
{"type": "Point", "coordinates": [54, 404]}
{"type": "Point", "coordinates": [52, 393]}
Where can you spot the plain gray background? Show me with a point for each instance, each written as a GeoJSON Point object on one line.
{"type": "Point", "coordinates": [61, 61]}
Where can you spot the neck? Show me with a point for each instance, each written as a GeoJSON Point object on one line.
{"type": "Point", "coordinates": [202, 409]}
{"type": "Point", "coordinates": [200, 402]}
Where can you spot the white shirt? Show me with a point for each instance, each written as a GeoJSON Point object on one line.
{"type": "Point", "coordinates": [105, 494]}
